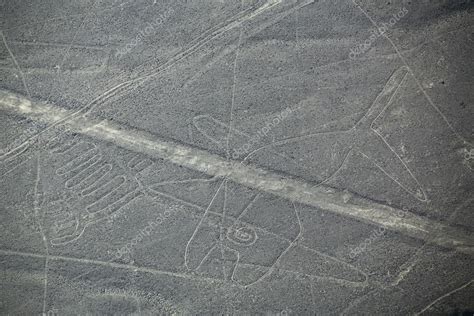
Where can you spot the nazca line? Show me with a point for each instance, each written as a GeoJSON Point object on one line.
{"type": "Point", "coordinates": [321, 197]}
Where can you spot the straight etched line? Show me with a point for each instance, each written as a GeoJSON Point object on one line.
{"type": "Point", "coordinates": [112, 265]}
{"type": "Point", "coordinates": [444, 296]}
{"type": "Point", "coordinates": [22, 74]}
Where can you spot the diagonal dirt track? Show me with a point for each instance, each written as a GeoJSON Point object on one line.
{"type": "Point", "coordinates": [324, 198]}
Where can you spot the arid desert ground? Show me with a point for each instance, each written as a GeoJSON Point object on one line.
{"type": "Point", "coordinates": [253, 157]}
